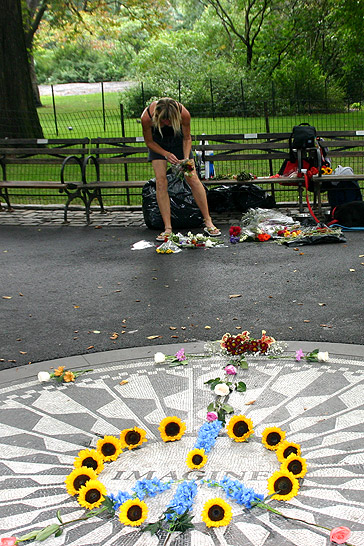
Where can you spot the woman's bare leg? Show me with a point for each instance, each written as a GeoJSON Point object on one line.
{"type": "Point", "coordinates": [164, 204]}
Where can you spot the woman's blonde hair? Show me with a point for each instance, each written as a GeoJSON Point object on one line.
{"type": "Point", "coordinates": [167, 108]}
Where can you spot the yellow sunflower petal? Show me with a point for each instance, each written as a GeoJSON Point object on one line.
{"type": "Point", "coordinates": [109, 447]}
{"type": "Point", "coordinates": [196, 459]}
{"type": "Point", "coordinates": [78, 478]}
{"type": "Point", "coordinates": [240, 428]}
{"type": "Point", "coordinates": [132, 437]}
{"type": "Point", "coordinates": [285, 449]}
{"type": "Point", "coordinates": [216, 513]}
{"type": "Point", "coordinates": [90, 458]}
{"type": "Point", "coordinates": [133, 512]}
{"type": "Point", "coordinates": [92, 494]}
{"type": "Point", "coordinates": [295, 464]}
{"type": "Point", "coordinates": [284, 484]}
{"type": "Point", "coordinates": [272, 437]}
{"type": "Point", "coordinates": [171, 429]}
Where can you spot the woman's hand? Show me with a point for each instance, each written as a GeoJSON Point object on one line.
{"type": "Point", "coordinates": [172, 158]}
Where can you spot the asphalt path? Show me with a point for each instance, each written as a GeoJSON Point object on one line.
{"type": "Point", "coordinates": [76, 290]}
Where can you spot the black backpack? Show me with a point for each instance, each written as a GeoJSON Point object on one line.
{"type": "Point", "coordinates": [303, 136]}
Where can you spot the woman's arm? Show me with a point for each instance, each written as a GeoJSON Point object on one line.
{"type": "Point", "coordinates": [186, 132]}
{"type": "Point", "coordinates": [148, 139]}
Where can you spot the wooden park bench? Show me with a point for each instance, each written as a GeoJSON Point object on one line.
{"type": "Point", "coordinates": [259, 153]}
{"type": "Point", "coordinates": [58, 156]}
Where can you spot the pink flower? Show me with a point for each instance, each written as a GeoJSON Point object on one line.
{"type": "Point", "coordinates": [299, 354]}
{"type": "Point", "coordinates": [340, 535]}
{"type": "Point", "coordinates": [230, 370]}
{"type": "Point", "coordinates": [180, 355]}
{"type": "Point", "coordinates": [8, 541]}
{"type": "Point", "coordinates": [211, 416]}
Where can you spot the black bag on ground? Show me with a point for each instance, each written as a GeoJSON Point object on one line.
{"type": "Point", "coordinates": [241, 197]}
{"type": "Point", "coordinates": [350, 214]}
{"type": "Point", "coordinates": [184, 211]}
{"type": "Point", "coordinates": [220, 199]}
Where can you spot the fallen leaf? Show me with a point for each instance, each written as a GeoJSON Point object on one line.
{"type": "Point", "coordinates": [90, 347]}
{"type": "Point", "coordinates": [270, 296]}
{"type": "Point", "coordinates": [117, 290]}
{"type": "Point", "coordinates": [124, 382]}
{"type": "Point", "coordinates": [250, 403]}
{"type": "Point", "coordinates": [98, 227]}
{"type": "Point", "coordinates": [7, 297]}
{"type": "Point", "coordinates": [11, 360]}
{"type": "Point", "coordinates": [23, 352]}
{"type": "Point", "coordinates": [76, 307]}
{"type": "Point", "coordinates": [175, 336]}
{"type": "Point", "coordinates": [351, 269]}
{"type": "Point", "coordinates": [114, 336]}
{"type": "Point", "coordinates": [137, 301]}
{"type": "Point", "coordinates": [19, 339]}
{"type": "Point", "coordinates": [361, 255]}
{"type": "Point", "coordinates": [155, 278]}
{"type": "Point", "coordinates": [153, 337]}
{"type": "Point", "coordinates": [301, 253]}
{"type": "Point", "coordinates": [96, 331]}
{"type": "Point", "coordinates": [123, 331]}
{"type": "Point", "coordinates": [322, 304]}
{"type": "Point", "coordinates": [290, 327]}
{"type": "Point", "coordinates": [20, 294]}
{"type": "Point", "coordinates": [172, 328]}
{"type": "Point", "coordinates": [75, 331]}
{"type": "Point", "coordinates": [183, 327]}
{"type": "Point", "coordinates": [235, 296]}
{"type": "Point", "coordinates": [296, 248]}
{"type": "Point", "coordinates": [207, 327]}
{"type": "Point", "coordinates": [238, 327]}
{"type": "Point", "coordinates": [306, 321]}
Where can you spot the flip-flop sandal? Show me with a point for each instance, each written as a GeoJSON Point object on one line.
{"type": "Point", "coordinates": [162, 236]}
{"type": "Point", "coordinates": [212, 231]}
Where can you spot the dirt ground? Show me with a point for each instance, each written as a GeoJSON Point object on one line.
{"type": "Point", "coordinates": [63, 89]}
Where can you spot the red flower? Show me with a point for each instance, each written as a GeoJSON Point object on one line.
{"type": "Point", "coordinates": [232, 345]}
{"type": "Point", "coordinates": [235, 231]}
{"type": "Point", "coordinates": [263, 237]}
{"type": "Point", "coordinates": [263, 346]}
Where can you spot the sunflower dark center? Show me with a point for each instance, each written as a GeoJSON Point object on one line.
{"type": "Point", "coordinates": [80, 481]}
{"type": "Point", "coordinates": [290, 449]}
{"type": "Point", "coordinates": [90, 463]}
{"type": "Point", "coordinates": [134, 513]}
{"type": "Point", "coordinates": [132, 437]}
{"type": "Point", "coordinates": [273, 438]}
{"type": "Point", "coordinates": [172, 429]}
{"type": "Point", "coordinates": [93, 495]}
{"type": "Point", "coordinates": [197, 459]}
{"type": "Point", "coordinates": [240, 428]}
{"type": "Point", "coordinates": [108, 449]}
{"type": "Point", "coordinates": [216, 512]}
{"type": "Point", "coordinates": [295, 467]}
{"type": "Point", "coordinates": [283, 485]}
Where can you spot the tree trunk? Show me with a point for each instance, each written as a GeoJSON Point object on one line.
{"type": "Point", "coordinates": [18, 113]}
{"type": "Point", "coordinates": [33, 78]}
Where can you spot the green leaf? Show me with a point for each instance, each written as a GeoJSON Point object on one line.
{"type": "Point", "coordinates": [58, 533]}
{"type": "Point", "coordinates": [241, 386]}
{"type": "Point", "coordinates": [243, 364]}
{"type": "Point", "coordinates": [211, 406]}
{"type": "Point", "coordinates": [227, 408]}
{"type": "Point", "coordinates": [29, 536]}
{"type": "Point", "coordinates": [108, 503]}
{"type": "Point", "coordinates": [47, 532]}
{"type": "Point", "coordinates": [221, 414]}
{"type": "Point", "coordinates": [59, 516]}
{"type": "Point", "coordinates": [152, 527]}
{"type": "Point", "coordinates": [210, 381]}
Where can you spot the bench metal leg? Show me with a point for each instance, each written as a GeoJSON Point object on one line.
{"type": "Point", "coordinates": [5, 195]}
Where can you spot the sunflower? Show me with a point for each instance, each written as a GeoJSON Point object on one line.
{"type": "Point", "coordinates": [285, 449]}
{"type": "Point", "coordinates": [171, 429]}
{"type": "Point", "coordinates": [196, 459]}
{"type": "Point", "coordinates": [109, 447]}
{"type": "Point", "coordinates": [90, 458]}
{"type": "Point", "coordinates": [78, 478]}
{"type": "Point", "coordinates": [216, 513]}
{"type": "Point", "coordinates": [92, 494]}
{"type": "Point", "coordinates": [132, 437]}
{"type": "Point", "coordinates": [284, 484]}
{"type": "Point", "coordinates": [295, 464]}
{"type": "Point", "coordinates": [240, 428]}
{"type": "Point", "coordinates": [272, 437]}
{"type": "Point", "coordinates": [133, 512]}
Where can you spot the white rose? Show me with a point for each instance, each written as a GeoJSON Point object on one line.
{"type": "Point", "coordinates": [209, 243]}
{"type": "Point", "coordinates": [323, 357]}
{"type": "Point", "coordinates": [43, 377]}
{"type": "Point", "coordinates": [159, 358]}
{"type": "Point", "coordinates": [221, 389]}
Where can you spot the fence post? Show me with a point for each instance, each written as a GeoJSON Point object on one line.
{"type": "Point", "coordinates": [242, 95]}
{"type": "Point", "coordinates": [212, 100]}
{"type": "Point", "coordinates": [267, 128]}
{"type": "Point", "coordinates": [125, 164]}
{"type": "Point", "coordinates": [103, 105]}
{"type": "Point", "coordinates": [143, 98]}
{"type": "Point", "coordinates": [54, 110]}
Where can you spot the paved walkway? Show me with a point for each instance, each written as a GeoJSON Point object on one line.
{"type": "Point", "coordinates": [320, 406]}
